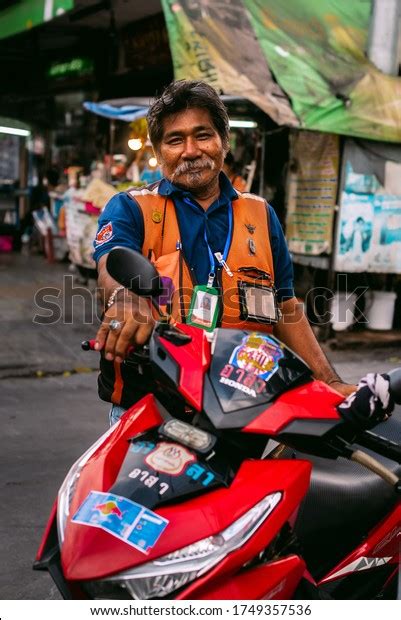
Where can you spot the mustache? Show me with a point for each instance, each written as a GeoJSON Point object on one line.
{"type": "Point", "coordinates": [194, 165]}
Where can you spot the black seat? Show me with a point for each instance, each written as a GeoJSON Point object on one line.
{"type": "Point", "coordinates": [344, 502]}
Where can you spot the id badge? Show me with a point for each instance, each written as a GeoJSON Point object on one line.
{"type": "Point", "coordinates": [204, 309]}
{"type": "Point", "coordinates": [258, 303]}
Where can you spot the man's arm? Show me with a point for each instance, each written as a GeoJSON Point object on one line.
{"type": "Point", "coordinates": [294, 331]}
{"type": "Point", "coordinates": [132, 311]}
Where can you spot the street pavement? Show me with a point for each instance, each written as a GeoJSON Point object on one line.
{"type": "Point", "coordinates": [49, 404]}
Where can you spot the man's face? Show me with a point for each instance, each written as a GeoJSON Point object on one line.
{"type": "Point", "coordinates": [191, 152]}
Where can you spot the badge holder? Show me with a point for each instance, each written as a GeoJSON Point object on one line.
{"type": "Point", "coordinates": [204, 308]}
{"type": "Point", "coordinates": [258, 303]}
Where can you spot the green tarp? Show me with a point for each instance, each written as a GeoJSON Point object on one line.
{"type": "Point", "coordinates": [302, 61]}
{"type": "Point", "coordinates": [24, 15]}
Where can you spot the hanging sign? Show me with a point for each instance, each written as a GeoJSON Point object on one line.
{"type": "Point", "coordinates": [312, 192]}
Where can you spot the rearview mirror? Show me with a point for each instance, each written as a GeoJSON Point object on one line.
{"type": "Point", "coordinates": [134, 271]}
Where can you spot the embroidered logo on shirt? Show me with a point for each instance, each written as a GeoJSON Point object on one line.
{"type": "Point", "coordinates": [104, 234]}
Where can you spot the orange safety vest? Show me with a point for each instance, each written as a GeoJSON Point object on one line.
{"type": "Point", "coordinates": [162, 245]}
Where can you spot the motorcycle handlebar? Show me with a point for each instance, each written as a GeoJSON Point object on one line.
{"type": "Point", "coordinates": [395, 385]}
{"type": "Point", "coordinates": [381, 445]}
{"type": "Point", "coordinates": [89, 345]}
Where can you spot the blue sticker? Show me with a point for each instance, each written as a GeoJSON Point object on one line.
{"type": "Point", "coordinates": [142, 446]}
{"type": "Point", "coordinates": [130, 522]}
{"type": "Point", "coordinates": [196, 471]}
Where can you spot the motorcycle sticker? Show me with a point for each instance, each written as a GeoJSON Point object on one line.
{"type": "Point", "coordinates": [148, 480]}
{"type": "Point", "coordinates": [198, 472]}
{"type": "Point", "coordinates": [179, 471]}
{"type": "Point", "coordinates": [142, 446]}
{"type": "Point", "coordinates": [258, 355]}
{"type": "Point", "coordinates": [130, 522]}
{"type": "Point", "coordinates": [169, 458]}
{"type": "Point", "coordinates": [195, 471]}
{"type": "Point", "coordinates": [251, 364]}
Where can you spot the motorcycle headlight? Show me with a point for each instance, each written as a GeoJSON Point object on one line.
{"type": "Point", "coordinates": [68, 488]}
{"type": "Point", "coordinates": [170, 572]}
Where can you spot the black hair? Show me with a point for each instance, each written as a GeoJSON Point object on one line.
{"type": "Point", "coordinates": [182, 95]}
{"type": "Point", "coordinates": [229, 160]}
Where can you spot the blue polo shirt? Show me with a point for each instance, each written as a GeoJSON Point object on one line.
{"type": "Point", "coordinates": [121, 224]}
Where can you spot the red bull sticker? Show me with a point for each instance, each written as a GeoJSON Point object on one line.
{"type": "Point", "coordinates": [169, 458]}
{"type": "Point", "coordinates": [251, 364]}
{"type": "Point", "coordinates": [104, 234]}
{"type": "Point", "coordinates": [130, 522]}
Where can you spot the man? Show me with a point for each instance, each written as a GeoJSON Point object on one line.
{"type": "Point", "coordinates": [208, 238]}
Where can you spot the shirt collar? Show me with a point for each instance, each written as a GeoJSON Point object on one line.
{"type": "Point", "coordinates": [227, 192]}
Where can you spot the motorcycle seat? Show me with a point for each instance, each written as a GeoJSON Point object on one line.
{"type": "Point", "coordinates": [344, 502]}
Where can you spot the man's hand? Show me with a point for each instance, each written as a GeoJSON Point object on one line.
{"type": "Point", "coordinates": [137, 324]}
{"type": "Point", "coordinates": [370, 404]}
{"type": "Point", "coordinates": [345, 389]}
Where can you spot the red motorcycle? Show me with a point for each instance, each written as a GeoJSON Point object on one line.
{"type": "Point", "coordinates": [182, 498]}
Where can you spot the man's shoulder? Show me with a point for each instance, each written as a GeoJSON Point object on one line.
{"type": "Point", "coordinates": [149, 190]}
{"type": "Point", "coordinates": [249, 196]}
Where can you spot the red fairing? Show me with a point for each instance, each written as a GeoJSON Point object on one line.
{"type": "Point", "coordinates": [194, 361]}
{"type": "Point", "coordinates": [381, 547]}
{"type": "Point", "coordinates": [101, 471]}
{"type": "Point", "coordinates": [52, 517]}
{"type": "Point", "coordinates": [273, 581]}
{"type": "Point", "coordinates": [313, 401]}
{"type": "Point", "coordinates": [91, 553]}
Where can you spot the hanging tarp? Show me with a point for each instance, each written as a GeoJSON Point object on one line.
{"type": "Point", "coordinates": [20, 16]}
{"type": "Point", "coordinates": [303, 63]}
{"type": "Point", "coordinates": [126, 113]}
{"type": "Point", "coordinates": [130, 109]}
{"type": "Point", "coordinates": [215, 42]}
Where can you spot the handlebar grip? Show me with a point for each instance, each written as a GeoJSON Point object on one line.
{"type": "Point", "coordinates": [89, 345]}
{"type": "Point", "coordinates": [395, 385]}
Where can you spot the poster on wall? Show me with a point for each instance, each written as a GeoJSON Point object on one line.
{"type": "Point", "coordinates": [369, 227]}
{"type": "Point", "coordinates": [312, 192]}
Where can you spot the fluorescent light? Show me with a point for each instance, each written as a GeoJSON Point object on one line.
{"type": "Point", "coordinates": [14, 131]}
{"type": "Point", "coordinates": [242, 123]}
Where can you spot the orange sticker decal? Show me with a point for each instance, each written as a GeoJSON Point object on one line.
{"type": "Point", "coordinates": [169, 458]}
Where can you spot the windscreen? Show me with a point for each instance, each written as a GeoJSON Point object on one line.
{"type": "Point", "coordinates": [248, 371]}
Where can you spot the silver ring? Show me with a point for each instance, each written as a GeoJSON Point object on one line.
{"type": "Point", "coordinates": [115, 325]}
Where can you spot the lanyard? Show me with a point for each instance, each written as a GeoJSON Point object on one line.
{"type": "Point", "coordinates": [220, 257]}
